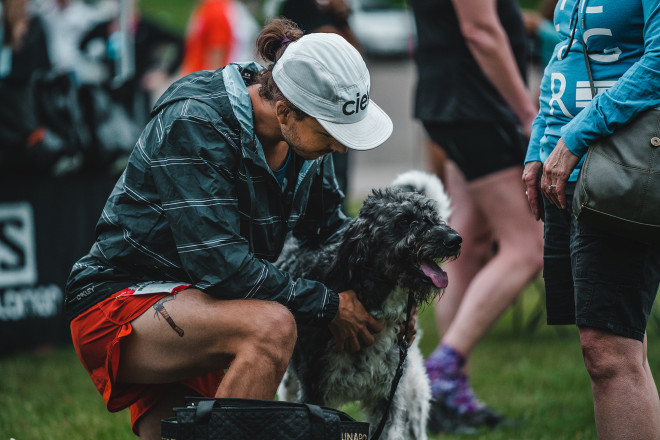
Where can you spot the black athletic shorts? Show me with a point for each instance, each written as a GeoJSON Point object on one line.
{"type": "Point", "coordinates": [597, 279]}
{"type": "Point", "coordinates": [480, 148]}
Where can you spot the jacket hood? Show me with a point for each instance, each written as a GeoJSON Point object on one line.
{"type": "Point", "coordinates": [203, 86]}
{"type": "Point", "coordinates": [221, 90]}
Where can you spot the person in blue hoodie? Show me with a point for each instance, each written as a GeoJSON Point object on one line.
{"type": "Point", "coordinates": [603, 283]}
{"type": "Point", "coordinates": [179, 285]}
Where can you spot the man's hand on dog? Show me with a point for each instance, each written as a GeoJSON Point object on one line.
{"type": "Point", "coordinates": [352, 326]}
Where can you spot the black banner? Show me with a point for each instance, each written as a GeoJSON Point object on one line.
{"type": "Point", "coordinates": [46, 224]}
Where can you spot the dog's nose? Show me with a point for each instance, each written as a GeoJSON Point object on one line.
{"type": "Point", "coordinates": [453, 241]}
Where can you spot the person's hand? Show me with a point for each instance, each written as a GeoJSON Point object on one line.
{"type": "Point", "coordinates": [411, 332]}
{"type": "Point", "coordinates": [352, 326]}
{"type": "Point", "coordinates": [530, 178]}
{"type": "Point", "coordinates": [556, 171]}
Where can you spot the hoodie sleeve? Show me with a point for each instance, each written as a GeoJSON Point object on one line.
{"type": "Point", "coordinates": [534, 146]}
{"type": "Point", "coordinates": [637, 90]}
{"type": "Point", "coordinates": [195, 170]}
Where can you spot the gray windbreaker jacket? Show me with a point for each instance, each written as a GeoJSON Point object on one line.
{"type": "Point", "coordinates": [198, 204]}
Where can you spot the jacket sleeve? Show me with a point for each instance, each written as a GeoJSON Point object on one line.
{"type": "Point", "coordinates": [637, 90]}
{"type": "Point", "coordinates": [195, 170]}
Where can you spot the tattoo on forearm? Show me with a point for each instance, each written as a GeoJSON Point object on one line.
{"type": "Point", "coordinates": [160, 308]}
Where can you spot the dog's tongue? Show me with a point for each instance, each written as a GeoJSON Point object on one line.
{"type": "Point", "coordinates": [437, 275]}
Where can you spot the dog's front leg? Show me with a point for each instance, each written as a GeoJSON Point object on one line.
{"type": "Point", "coordinates": [410, 408]}
{"type": "Point", "coordinates": [289, 389]}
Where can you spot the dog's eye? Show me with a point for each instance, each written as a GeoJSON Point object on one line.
{"type": "Point", "coordinates": [431, 221]}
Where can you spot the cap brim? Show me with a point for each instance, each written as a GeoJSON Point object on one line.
{"type": "Point", "coordinates": [374, 129]}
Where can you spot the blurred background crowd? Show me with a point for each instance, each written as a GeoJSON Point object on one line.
{"type": "Point", "coordinates": [78, 77]}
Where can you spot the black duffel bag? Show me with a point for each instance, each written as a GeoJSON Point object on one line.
{"type": "Point", "coordinates": [249, 419]}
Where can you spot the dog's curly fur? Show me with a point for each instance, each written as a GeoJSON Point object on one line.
{"type": "Point", "coordinates": [380, 255]}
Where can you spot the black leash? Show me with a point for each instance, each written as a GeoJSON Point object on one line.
{"type": "Point", "coordinates": [403, 352]}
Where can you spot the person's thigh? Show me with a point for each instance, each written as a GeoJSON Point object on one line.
{"type": "Point", "coordinates": [466, 217]}
{"type": "Point", "coordinates": [616, 281]}
{"type": "Point", "coordinates": [557, 272]}
{"type": "Point", "coordinates": [501, 196]}
{"type": "Point", "coordinates": [192, 333]}
{"type": "Point", "coordinates": [476, 248]}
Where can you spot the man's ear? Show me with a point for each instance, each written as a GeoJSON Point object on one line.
{"type": "Point", "coordinates": [283, 112]}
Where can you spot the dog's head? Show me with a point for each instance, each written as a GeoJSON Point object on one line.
{"type": "Point", "coordinates": [398, 238]}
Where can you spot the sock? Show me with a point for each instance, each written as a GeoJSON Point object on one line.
{"type": "Point", "coordinates": [462, 397]}
{"type": "Point", "coordinates": [448, 381]}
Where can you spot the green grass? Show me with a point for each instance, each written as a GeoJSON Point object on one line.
{"type": "Point", "coordinates": [50, 396]}
{"type": "Point", "coordinates": [532, 373]}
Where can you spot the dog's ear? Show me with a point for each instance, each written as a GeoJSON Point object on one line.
{"type": "Point", "coordinates": [354, 248]}
{"type": "Point", "coordinates": [352, 252]}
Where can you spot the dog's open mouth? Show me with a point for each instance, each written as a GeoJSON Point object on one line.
{"type": "Point", "coordinates": [435, 273]}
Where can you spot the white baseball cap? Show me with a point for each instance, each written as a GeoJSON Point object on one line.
{"type": "Point", "coordinates": [325, 76]}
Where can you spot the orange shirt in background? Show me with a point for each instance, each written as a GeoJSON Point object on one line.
{"type": "Point", "coordinates": [209, 31]}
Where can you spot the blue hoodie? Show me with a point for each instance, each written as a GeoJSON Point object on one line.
{"type": "Point", "coordinates": [623, 43]}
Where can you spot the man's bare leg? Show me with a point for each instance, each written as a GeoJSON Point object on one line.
{"type": "Point", "coordinates": [253, 339]}
{"type": "Point", "coordinates": [149, 424]}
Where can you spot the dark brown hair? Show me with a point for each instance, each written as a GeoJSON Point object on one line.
{"type": "Point", "coordinates": [271, 44]}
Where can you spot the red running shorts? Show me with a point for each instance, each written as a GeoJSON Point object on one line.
{"type": "Point", "coordinates": [97, 334]}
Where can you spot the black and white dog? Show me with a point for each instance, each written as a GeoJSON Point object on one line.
{"type": "Point", "coordinates": [388, 252]}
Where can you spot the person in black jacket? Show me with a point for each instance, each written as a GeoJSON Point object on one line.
{"type": "Point", "coordinates": [473, 103]}
{"type": "Point", "coordinates": [179, 284]}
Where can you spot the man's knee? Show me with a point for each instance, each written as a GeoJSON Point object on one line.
{"type": "Point", "coordinates": [278, 327]}
{"type": "Point", "coordinates": [274, 334]}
